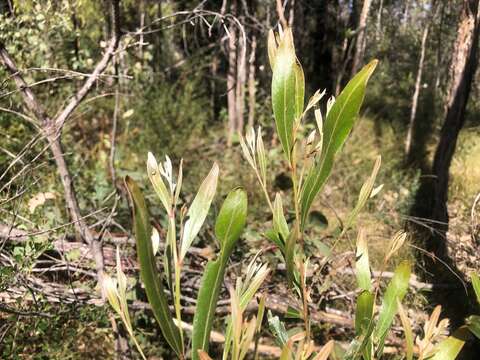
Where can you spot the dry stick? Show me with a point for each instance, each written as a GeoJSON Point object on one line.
{"type": "Point", "coordinates": [52, 129]}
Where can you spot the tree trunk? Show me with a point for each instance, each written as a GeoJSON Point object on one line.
{"type": "Point", "coordinates": [462, 71]}
{"type": "Point", "coordinates": [379, 21]}
{"type": "Point", "coordinates": [416, 94]}
{"type": "Point", "coordinates": [360, 41]}
{"type": "Point", "coordinates": [240, 85]}
{"type": "Point", "coordinates": [231, 80]}
{"type": "Point", "coordinates": [251, 83]}
{"type": "Point", "coordinates": [405, 15]}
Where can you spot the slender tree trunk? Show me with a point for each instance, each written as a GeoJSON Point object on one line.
{"type": "Point", "coordinates": [416, 94]}
{"type": "Point", "coordinates": [379, 21]}
{"type": "Point", "coordinates": [240, 88]}
{"type": "Point", "coordinates": [231, 80]}
{"type": "Point", "coordinates": [462, 71]}
{"type": "Point", "coordinates": [251, 83]}
{"type": "Point", "coordinates": [360, 41]}
{"type": "Point", "coordinates": [405, 14]}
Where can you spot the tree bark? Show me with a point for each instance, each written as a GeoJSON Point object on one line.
{"type": "Point", "coordinates": [416, 94]}
{"type": "Point", "coordinates": [360, 41]}
{"type": "Point", "coordinates": [231, 79]}
{"type": "Point", "coordinates": [251, 83]}
{"type": "Point", "coordinates": [240, 88]}
{"type": "Point", "coordinates": [462, 71]}
{"type": "Point", "coordinates": [405, 14]}
{"type": "Point", "coordinates": [379, 21]}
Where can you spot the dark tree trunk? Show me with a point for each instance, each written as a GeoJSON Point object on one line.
{"type": "Point", "coordinates": [462, 71]}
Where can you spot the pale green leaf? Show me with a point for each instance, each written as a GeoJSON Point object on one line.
{"type": "Point", "coordinates": [155, 176]}
{"type": "Point", "coordinates": [198, 211]}
{"type": "Point", "coordinates": [476, 286]}
{"type": "Point", "coordinates": [287, 91]}
{"type": "Point", "coordinates": [362, 265]}
{"type": "Point", "coordinates": [396, 290]}
{"type": "Point", "coordinates": [449, 348]}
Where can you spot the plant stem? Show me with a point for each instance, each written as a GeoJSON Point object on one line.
{"type": "Point", "coordinates": [299, 235]}
{"type": "Point", "coordinates": [178, 269]}
{"type": "Point", "coordinates": [264, 188]}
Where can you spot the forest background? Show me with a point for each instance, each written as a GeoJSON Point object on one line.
{"type": "Point", "coordinates": [87, 88]}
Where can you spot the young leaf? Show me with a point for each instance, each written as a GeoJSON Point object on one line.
{"type": "Point", "coordinates": [365, 193]}
{"type": "Point", "coordinates": [299, 90]}
{"type": "Point", "coordinates": [198, 210]}
{"type": "Point", "coordinates": [337, 126]}
{"type": "Point", "coordinates": [154, 174]}
{"type": "Point", "coordinates": [362, 266]}
{"type": "Point", "coordinates": [288, 89]}
{"type": "Point", "coordinates": [407, 328]}
{"type": "Point", "coordinates": [148, 270]}
{"type": "Point", "coordinates": [363, 312]}
{"type": "Point", "coordinates": [262, 159]}
{"type": "Point", "coordinates": [278, 329]}
{"type": "Point", "coordinates": [231, 219]}
{"type": "Point", "coordinates": [396, 290]}
{"type": "Point", "coordinates": [272, 48]}
{"type": "Point", "coordinates": [449, 348]}
{"type": "Point", "coordinates": [290, 256]}
{"type": "Point", "coordinates": [280, 225]}
{"type": "Point", "coordinates": [229, 225]}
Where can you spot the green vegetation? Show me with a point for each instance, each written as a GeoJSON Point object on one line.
{"type": "Point", "coordinates": [350, 248]}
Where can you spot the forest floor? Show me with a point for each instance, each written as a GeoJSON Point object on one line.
{"type": "Point", "coordinates": [78, 328]}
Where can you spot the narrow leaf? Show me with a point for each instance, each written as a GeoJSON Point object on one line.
{"type": "Point", "coordinates": [476, 286]}
{"type": "Point", "coordinates": [198, 210]}
{"type": "Point", "coordinates": [362, 265]}
{"type": "Point", "coordinates": [154, 174]}
{"type": "Point", "coordinates": [396, 290]}
{"type": "Point", "coordinates": [280, 225]}
{"type": "Point", "coordinates": [229, 225]}
{"type": "Point", "coordinates": [148, 270]}
{"type": "Point", "coordinates": [407, 329]}
{"type": "Point", "coordinates": [339, 122]}
{"type": "Point", "coordinates": [287, 90]}
{"type": "Point", "coordinates": [278, 330]}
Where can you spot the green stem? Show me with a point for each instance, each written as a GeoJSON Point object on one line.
{"type": "Point", "coordinates": [296, 200]}
{"type": "Point", "coordinates": [178, 269]}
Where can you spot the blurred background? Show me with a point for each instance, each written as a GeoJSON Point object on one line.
{"type": "Point", "coordinates": [87, 88]}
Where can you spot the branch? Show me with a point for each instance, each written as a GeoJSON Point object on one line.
{"type": "Point", "coordinates": [99, 69]}
{"type": "Point", "coordinates": [28, 96]}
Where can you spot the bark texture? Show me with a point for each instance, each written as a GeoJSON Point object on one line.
{"type": "Point", "coordinates": [462, 71]}
{"type": "Point", "coordinates": [360, 42]}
